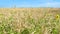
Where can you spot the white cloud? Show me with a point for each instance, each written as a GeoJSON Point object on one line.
{"type": "Point", "coordinates": [50, 4]}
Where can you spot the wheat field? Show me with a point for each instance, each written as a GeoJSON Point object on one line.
{"type": "Point", "coordinates": [29, 20]}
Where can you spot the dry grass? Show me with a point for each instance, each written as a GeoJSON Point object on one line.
{"type": "Point", "coordinates": [29, 21]}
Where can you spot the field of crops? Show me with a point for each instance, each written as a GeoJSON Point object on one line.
{"type": "Point", "coordinates": [29, 20]}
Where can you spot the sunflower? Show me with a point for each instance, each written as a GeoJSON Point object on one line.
{"type": "Point", "coordinates": [57, 17]}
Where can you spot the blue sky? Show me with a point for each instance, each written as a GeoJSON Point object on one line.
{"type": "Point", "coordinates": [29, 3]}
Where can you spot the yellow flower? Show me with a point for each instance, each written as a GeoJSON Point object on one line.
{"type": "Point", "coordinates": [57, 17]}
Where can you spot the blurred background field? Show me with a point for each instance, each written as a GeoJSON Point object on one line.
{"type": "Point", "coordinates": [29, 20]}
